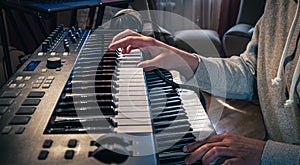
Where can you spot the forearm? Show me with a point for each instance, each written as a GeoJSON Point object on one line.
{"type": "Point", "coordinates": [186, 63]}
{"type": "Point", "coordinates": [228, 78]}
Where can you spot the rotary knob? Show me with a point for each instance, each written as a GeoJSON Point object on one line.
{"type": "Point", "coordinates": [53, 62]}
{"type": "Point", "coordinates": [45, 47]}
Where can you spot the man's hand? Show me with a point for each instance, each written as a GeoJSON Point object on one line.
{"type": "Point", "coordinates": [161, 54]}
{"type": "Point", "coordinates": [239, 150]}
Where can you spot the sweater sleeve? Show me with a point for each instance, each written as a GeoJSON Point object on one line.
{"type": "Point", "coordinates": [233, 78]}
{"type": "Point", "coordinates": [280, 153]}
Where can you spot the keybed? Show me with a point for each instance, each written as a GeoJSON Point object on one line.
{"type": "Point", "coordinates": [105, 90]}
{"type": "Point", "coordinates": [105, 108]}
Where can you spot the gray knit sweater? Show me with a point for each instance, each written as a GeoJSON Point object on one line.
{"type": "Point", "coordinates": [251, 74]}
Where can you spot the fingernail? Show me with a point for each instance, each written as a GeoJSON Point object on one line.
{"type": "Point", "coordinates": [184, 149]}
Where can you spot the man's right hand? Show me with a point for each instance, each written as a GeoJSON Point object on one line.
{"type": "Point", "coordinates": [162, 55]}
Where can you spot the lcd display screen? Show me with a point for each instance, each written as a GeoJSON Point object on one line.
{"type": "Point", "coordinates": [31, 66]}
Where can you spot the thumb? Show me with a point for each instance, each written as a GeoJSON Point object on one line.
{"type": "Point", "coordinates": [148, 65]}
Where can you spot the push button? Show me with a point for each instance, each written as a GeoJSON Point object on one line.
{"type": "Point", "coordinates": [19, 120]}
{"type": "Point", "coordinates": [41, 78]}
{"type": "Point", "coordinates": [22, 85]}
{"type": "Point", "coordinates": [72, 143]}
{"type": "Point", "coordinates": [20, 130]}
{"type": "Point", "coordinates": [47, 143]}
{"type": "Point", "coordinates": [43, 155]}
{"type": "Point", "coordinates": [44, 70]}
{"type": "Point", "coordinates": [31, 102]}
{"type": "Point", "coordinates": [6, 101]}
{"type": "Point", "coordinates": [6, 129]}
{"type": "Point", "coordinates": [26, 111]}
{"type": "Point", "coordinates": [36, 94]}
{"type": "Point", "coordinates": [39, 81]}
{"type": "Point", "coordinates": [19, 78]}
{"type": "Point", "coordinates": [48, 81]}
{"type": "Point", "coordinates": [50, 78]}
{"type": "Point", "coordinates": [27, 78]}
{"type": "Point", "coordinates": [46, 85]}
{"type": "Point", "coordinates": [10, 94]}
{"type": "Point", "coordinates": [69, 154]}
{"type": "Point", "coordinates": [36, 85]}
{"type": "Point", "coordinates": [3, 110]}
{"type": "Point", "coordinates": [13, 85]}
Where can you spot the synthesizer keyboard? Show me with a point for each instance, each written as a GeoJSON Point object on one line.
{"type": "Point", "coordinates": [76, 102]}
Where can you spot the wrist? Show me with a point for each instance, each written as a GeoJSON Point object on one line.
{"type": "Point", "coordinates": [195, 62]}
{"type": "Point", "coordinates": [191, 65]}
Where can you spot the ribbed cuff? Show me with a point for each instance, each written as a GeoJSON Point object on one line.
{"type": "Point", "coordinates": [276, 153]}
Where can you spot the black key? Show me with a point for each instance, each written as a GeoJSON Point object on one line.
{"type": "Point", "coordinates": [164, 124]}
{"type": "Point", "coordinates": [167, 158]}
{"type": "Point", "coordinates": [111, 54]}
{"type": "Point", "coordinates": [170, 129]}
{"type": "Point", "coordinates": [86, 111]}
{"type": "Point", "coordinates": [68, 97]}
{"type": "Point", "coordinates": [96, 63]}
{"type": "Point", "coordinates": [168, 112]}
{"type": "Point", "coordinates": [91, 67]}
{"type": "Point", "coordinates": [158, 95]}
{"type": "Point", "coordinates": [157, 85]}
{"type": "Point", "coordinates": [166, 104]}
{"type": "Point", "coordinates": [77, 122]}
{"type": "Point", "coordinates": [179, 116]}
{"type": "Point", "coordinates": [165, 99]}
{"type": "Point", "coordinates": [80, 130]}
{"type": "Point", "coordinates": [87, 103]}
{"type": "Point", "coordinates": [169, 108]}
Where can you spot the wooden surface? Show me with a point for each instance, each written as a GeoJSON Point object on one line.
{"type": "Point", "coordinates": [236, 116]}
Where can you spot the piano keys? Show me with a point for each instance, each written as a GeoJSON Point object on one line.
{"type": "Point", "coordinates": [105, 96]}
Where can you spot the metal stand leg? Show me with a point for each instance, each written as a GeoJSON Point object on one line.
{"type": "Point", "coordinates": [90, 21]}
{"type": "Point", "coordinates": [100, 15]}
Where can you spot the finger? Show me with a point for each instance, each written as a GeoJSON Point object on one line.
{"type": "Point", "coordinates": [199, 152]}
{"type": "Point", "coordinates": [134, 41]}
{"type": "Point", "coordinates": [147, 64]}
{"type": "Point", "coordinates": [129, 48]}
{"type": "Point", "coordinates": [217, 151]}
{"type": "Point", "coordinates": [123, 43]}
{"type": "Point", "coordinates": [124, 50]}
{"type": "Point", "coordinates": [124, 34]}
{"type": "Point", "coordinates": [193, 157]}
{"type": "Point", "coordinates": [231, 161]}
{"type": "Point", "coordinates": [191, 147]}
{"type": "Point", "coordinates": [147, 69]}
